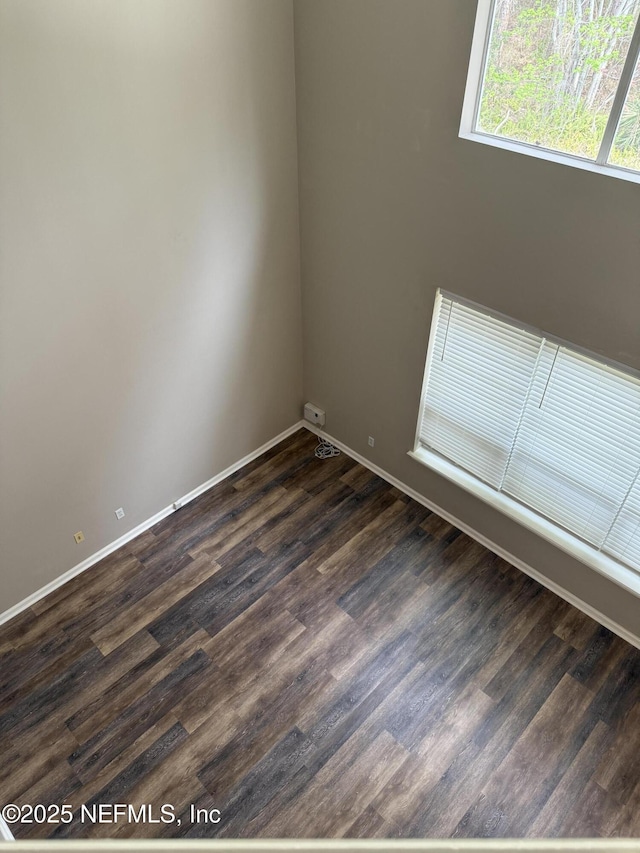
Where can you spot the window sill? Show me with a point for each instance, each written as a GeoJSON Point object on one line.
{"type": "Point", "coordinates": [552, 156]}
{"type": "Point", "coordinates": [601, 563]}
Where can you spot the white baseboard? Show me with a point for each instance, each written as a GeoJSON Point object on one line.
{"type": "Point", "coordinates": [136, 531]}
{"type": "Point", "coordinates": [492, 546]}
{"type": "Point", "coordinates": [474, 534]}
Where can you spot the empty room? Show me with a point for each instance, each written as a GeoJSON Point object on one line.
{"type": "Point", "coordinates": [320, 419]}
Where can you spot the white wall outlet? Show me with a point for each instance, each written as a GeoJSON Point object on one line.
{"type": "Point", "coordinates": [314, 415]}
{"type": "Point", "coordinates": [372, 441]}
{"type": "Point", "coordinates": [79, 537]}
{"type": "Point", "coordinates": [119, 513]}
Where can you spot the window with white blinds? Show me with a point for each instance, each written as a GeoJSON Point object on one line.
{"type": "Point", "coordinates": [538, 421]}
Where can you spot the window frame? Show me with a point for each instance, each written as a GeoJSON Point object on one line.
{"type": "Point", "coordinates": [601, 562]}
{"type": "Point", "coordinates": [473, 95]}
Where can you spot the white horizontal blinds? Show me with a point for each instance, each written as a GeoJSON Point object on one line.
{"type": "Point", "coordinates": [577, 450]}
{"type": "Point", "coordinates": [479, 374]}
{"type": "Point", "coordinates": [623, 541]}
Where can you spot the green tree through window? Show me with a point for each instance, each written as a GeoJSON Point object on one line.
{"type": "Point", "coordinates": [552, 73]}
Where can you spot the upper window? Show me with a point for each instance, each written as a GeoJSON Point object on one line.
{"type": "Point", "coordinates": [558, 79]}
{"type": "Point", "coordinates": [537, 424]}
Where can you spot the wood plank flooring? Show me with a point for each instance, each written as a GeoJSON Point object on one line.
{"type": "Point", "coordinates": [314, 654]}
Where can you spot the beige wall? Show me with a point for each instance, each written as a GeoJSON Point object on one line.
{"type": "Point", "coordinates": [394, 205]}
{"type": "Point", "coordinates": [149, 270]}
{"type": "Point", "coordinates": [149, 287]}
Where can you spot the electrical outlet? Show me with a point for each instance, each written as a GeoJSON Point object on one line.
{"type": "Point", "coordinates": [119, 513]}
{"type": "Point", "coordinates": [79, 537]}
{"type": "Point", "coordinates": [372, 441]}
{"type": "Point", "coordinates": [314, 415]}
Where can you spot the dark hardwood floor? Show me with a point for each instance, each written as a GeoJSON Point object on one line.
{"type": "Point", "coordinates": [316, 655]}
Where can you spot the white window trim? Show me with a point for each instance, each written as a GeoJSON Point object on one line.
{"type": "Point", "coordinates": [610, 568]}
{"type": "Point", "coordinates": [601, 563]}
{"type": "Point", "coordinates": [473, 92]}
